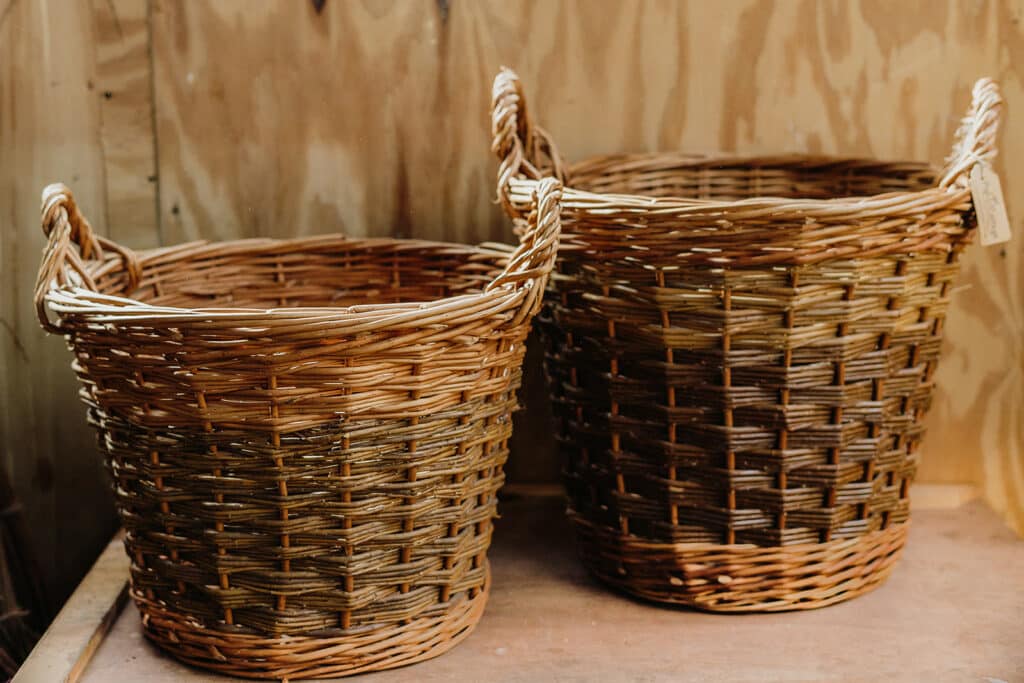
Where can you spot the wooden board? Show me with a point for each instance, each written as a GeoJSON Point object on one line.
{"type": "Point", "coordinates": [255, 117]}
{"type": "Point", "coordinates": [321, 121]}
{"type": "Point", "coordinates": [67, 647]}
{"type": "Point", "coordinates": [950, 611]}
{"type": "Point", "coordinates": [124, 82]}
{"type": "Point", "coordinates": [49, 130]}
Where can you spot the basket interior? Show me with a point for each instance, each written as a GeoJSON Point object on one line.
{"type": "Point", "coordinates": [308, 273]}
{"type": "Point", "coordinates": [733, 179]}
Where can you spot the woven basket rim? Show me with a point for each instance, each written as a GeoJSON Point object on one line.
{"type": "Point", "coordinates": [679, 159]}
{"type": "Point", "coordinates": [834, 209]}
{"type": "Point", "coordinates": [102, 308]}
{"type": "Point", "coordinates": [685, 206]}
{"type": "Point", "coordinates": [665, 232]}
{"type": "Point", "coordinates": [256, 246]}
{"type": "Point", "coordinates": [75, 294]}
{"type": "Point", "coordinates": [526, 153]}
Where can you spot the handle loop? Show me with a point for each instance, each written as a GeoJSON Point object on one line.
{"type": "Point", "coordinates": [975, 139]}
{"type": "Point", "coordinates": [522, 149]}
{"type": "Point", "coordinates": [535, 256]}
{"type": "Point", "coordinates": [63, 266]}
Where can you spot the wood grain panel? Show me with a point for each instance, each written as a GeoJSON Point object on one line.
{"type": "Point", "coordinates": [275, 120]}
{"type": "Point", "coordinates": [125, 84]}
{"type": "Point", "coordinates": [49, 125]}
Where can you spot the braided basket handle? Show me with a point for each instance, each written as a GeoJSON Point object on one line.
{"type": "Point", "coordinates": [976, 137]}
{"type": "Point", "coordinates": [534, 258]}
{"type": "Point", "coordinates": [522, 148]}
{"type": "Point", "coordinates": [62, 265]}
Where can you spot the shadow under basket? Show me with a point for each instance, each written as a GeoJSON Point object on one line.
{"type": "Point", "coordinates": [306, 437]}
{"type": "Point", "coordinates": [740, 353]}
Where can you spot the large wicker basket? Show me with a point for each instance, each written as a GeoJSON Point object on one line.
{"type": "Point", "coordinates": [740, 353]}
{"type": "Point", "coordinates": [306, 436]}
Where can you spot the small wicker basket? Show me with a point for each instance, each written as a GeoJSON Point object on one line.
{"type": "Point", "coordinates": [740, 353]}
{"type": "Point", "coordinates": [306, 436]}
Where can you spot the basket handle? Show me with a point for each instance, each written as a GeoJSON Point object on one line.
{"type": "Point", "coordinates": [534, 258]}
{"type": "Point", "coordinates": [976, 137]}
{"type": "Point", "coordinates": [522, 148]}
{"type": "Point", "coordinates": [64, 226]}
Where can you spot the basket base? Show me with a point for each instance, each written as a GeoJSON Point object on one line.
{"type": "Point", "coordinates": [293, 657]}
{"type": "Point", "coordinates": [740, 578]}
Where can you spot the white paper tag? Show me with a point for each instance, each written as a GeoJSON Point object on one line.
{"type": "Point", "coordinates": [987, 193]}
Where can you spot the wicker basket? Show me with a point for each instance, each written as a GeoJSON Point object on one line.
{"type": "Point", "coordinates": [740, 353]}
{"type": "Point", "coordinates": [306, 436]}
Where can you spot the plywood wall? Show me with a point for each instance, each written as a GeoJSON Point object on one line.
{"type": "Point", "coordinates": [50, 123]}
{"type": "Point", "coordinates": [178, 120]}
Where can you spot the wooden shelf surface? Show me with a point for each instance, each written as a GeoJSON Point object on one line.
{"type": "Point", "coordinates": [952, 610]}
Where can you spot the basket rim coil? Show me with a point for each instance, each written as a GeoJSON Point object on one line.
{"type": "Point", "coordinates": [527, 153]}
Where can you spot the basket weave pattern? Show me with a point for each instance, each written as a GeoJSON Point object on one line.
{"type": "Point", "coordinates": [306, 437]}
{"type": "Point", "coordinates": [740, 353]}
